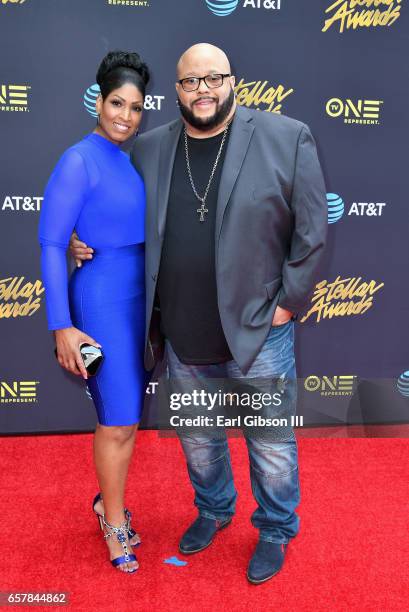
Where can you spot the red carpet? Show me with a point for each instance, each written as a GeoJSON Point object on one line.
{"type": "Point", "coordinates": [351, 554]}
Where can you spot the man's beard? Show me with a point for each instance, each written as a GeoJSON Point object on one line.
{"type": "Point", "coordinates": [208, 123]}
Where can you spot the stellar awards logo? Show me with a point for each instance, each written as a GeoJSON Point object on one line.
{"type": "Point", "coordinates": [355, 14]}
{"type": "Point", "coordinates": [261, 95]}
{"type": "Point", "coordinates": [360, 112]}
{"type": "Point", "coordinates": [331, 385]}
{"type": "Point", "coordinates": [222, 8]}
{"type": "Point", "coordinates": [91, 94]}
{"type": "Point", "coordinates": [19, 298]}
{"type": "Point", "coordinates": [336, 208]}
{"type": "Point", "coordinates": [342, 297]}
{"type": "Point", "coordinates": [18, 392]}
{"type": "Point", "coordinates": [14, 98]}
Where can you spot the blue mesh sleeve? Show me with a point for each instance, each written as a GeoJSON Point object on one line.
{"type": "Point", "coordinates": [64, 198]}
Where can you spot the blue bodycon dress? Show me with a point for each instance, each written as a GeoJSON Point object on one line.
{"type": "Point", "coordinates": [95, 189]}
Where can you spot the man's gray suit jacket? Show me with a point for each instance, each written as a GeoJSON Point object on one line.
{"type": "Point", "coordinates": [271, 223]}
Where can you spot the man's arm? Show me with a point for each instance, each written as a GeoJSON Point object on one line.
{"type": "Point", "coordinates": [309, 206]}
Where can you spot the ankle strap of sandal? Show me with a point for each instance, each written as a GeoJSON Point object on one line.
{"type": "Point", "coordinates": [121, 533]}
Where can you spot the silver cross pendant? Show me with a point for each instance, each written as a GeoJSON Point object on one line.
{"type": "Point", "coordinates": [202, 212]}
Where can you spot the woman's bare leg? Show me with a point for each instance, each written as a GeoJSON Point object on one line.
{"type": "Point", "coordinates": [113, 447]}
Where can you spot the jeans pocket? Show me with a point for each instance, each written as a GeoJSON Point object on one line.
{"type": "Point", "coordinates": [281, 338]}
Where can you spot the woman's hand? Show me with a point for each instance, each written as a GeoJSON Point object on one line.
{"type": "Point", "coordinates": [68, 342]}
{"type": "Point", "coordinates": [79, 250]}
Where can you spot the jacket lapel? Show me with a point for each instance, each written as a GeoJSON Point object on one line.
{"type": "Point", "coordinates": [240, 136]}
{"type": "Point", "coordinates": [167, 158]}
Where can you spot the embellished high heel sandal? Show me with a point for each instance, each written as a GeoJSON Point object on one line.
{"type": "Point", "coordinates": [121, 534]}
{"type": "Point", "coordinates": [128, 515]}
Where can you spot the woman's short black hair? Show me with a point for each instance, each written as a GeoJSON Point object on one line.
{"type": "Point", "coordinates": [120, 67]}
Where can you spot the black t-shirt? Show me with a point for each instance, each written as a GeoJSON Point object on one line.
{"type": "Point", "coordinates": [187, 276]}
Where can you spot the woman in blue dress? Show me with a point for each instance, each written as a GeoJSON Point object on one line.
{"type": "Point", "coordinates": [95, 189]}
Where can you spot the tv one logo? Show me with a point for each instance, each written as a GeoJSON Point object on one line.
{"type": "Point", "coordinates": [222, 8]}
{"type": "Point", "coordinates": [334, 385]}
{"type": "Point", "coordinates": [18, 392]}
{"type": "Point", "coordinates": [14, 98]}
{"type": "Point", "coordinates": [361, 112]}
{"type": "Point", "coordinates": [137, 3]}
{"type": "Point", "coordinates": [91, 94]}
{"type": "Point", "coordinates": [336, 208]}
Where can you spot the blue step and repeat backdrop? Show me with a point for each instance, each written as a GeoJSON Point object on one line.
{"type": "Point", "coordinates": [338, 65]}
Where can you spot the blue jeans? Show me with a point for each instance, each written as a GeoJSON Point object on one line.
{"type": "Point", "coordinates": [273, 460]}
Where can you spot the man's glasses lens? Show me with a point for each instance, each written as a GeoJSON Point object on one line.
{"type": "Point", "coordinates": [211, 80]}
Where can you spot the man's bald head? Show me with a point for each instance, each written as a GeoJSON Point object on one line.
{"type": "Point", "coordinates": [205, 105]}
{"type": "Point", "coordinates": [199, 55]}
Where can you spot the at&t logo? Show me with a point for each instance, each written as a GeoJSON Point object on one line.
{"type": "Point", "coordinates": [22, 203]}
{"type": "Point", "coordinates": [90, 98]}
{"type": "Point", "coordinates": [361, 112]}
{"type": "Point", "coordinates": [18, 391]}
{"type": "Point", "coordinates": [367, 209]}
{"type": "Point", "coordinates": [266, 4]}
{"type": "Point", "coordinates": [153, 102]}
{"type": "Point", "coordinates": [91, 94]}
{"type": "Point", "coordinates": [222, 8]}
{"type": "Point", "coordinates": [331, 386]}
{"type": "Point", "coordinates": [336, 208]}
{"type": "Point", "coordinates": [403, 384]}
{"type": "Point", "coordinates": [14, 98]}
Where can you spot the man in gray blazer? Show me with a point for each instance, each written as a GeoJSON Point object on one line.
{"type": "Point", "coordinates": [235, 228]}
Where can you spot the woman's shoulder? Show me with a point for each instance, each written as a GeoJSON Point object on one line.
{"type": "Point", "coordinates": [82, 148]}
{"type": "Point", "coordinates": [76, 151]}
{"type": "Point", "coordinates": [77, 156]}
{"type": "Point", "coordinates": [72, 163]}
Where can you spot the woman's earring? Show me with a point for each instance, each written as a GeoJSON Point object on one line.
{"type": "Point", "coordinates": [98, 119]}
{"type": "Point", "coordinates": [136, 133]}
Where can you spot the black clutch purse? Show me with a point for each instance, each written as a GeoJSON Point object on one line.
{"type": "Point", "coordinates": [92, 357]}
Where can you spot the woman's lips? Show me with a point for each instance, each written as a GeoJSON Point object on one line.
{"type": "Point", "coordinates": [121, 127]}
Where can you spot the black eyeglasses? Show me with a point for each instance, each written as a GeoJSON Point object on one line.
{"type": "Point", "coordinates": [212, 81]}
